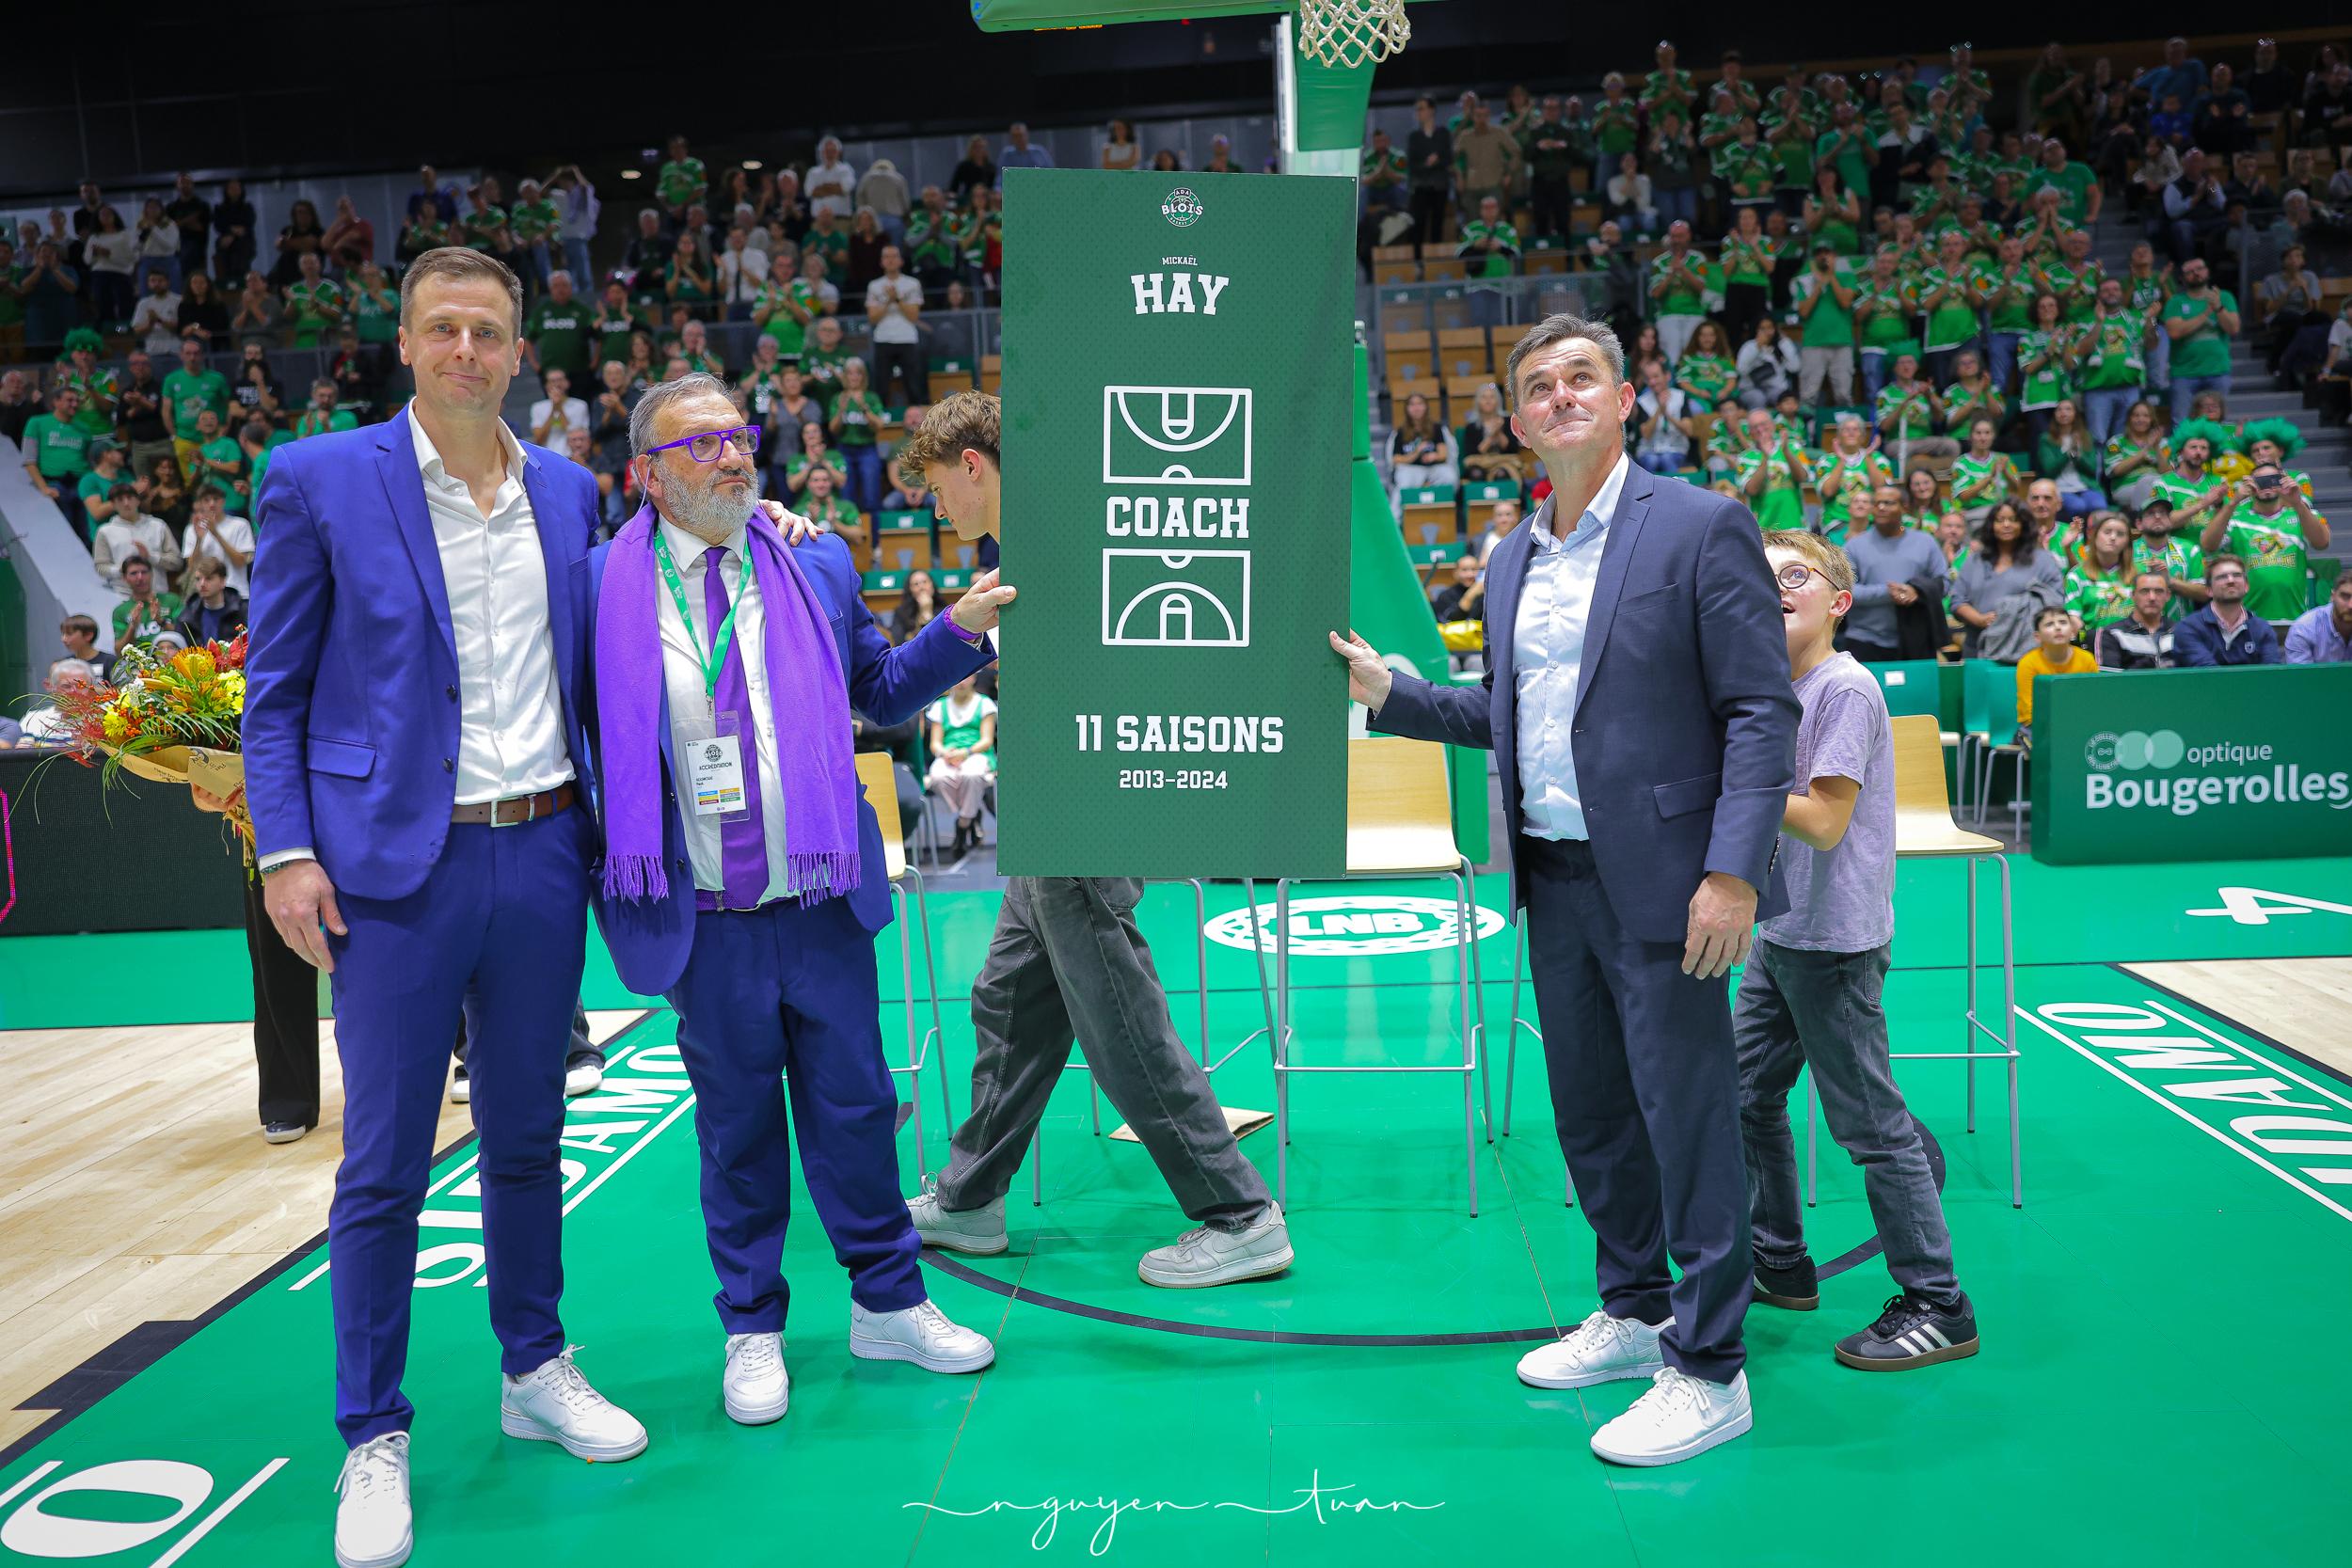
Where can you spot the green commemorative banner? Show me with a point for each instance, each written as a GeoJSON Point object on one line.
{"type": "Point", "coordinates": [1178, 362]}
{"type": "Point", "coordinates": [2193, 765]}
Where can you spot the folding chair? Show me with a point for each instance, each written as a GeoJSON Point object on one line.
{"type": "Point", "coordinates": [1924, 830]}
{"type": "Point", "coordinates": [876, 775]}
{"type": "Point", "coordinates": [1400, 826]}
{"type": "Point", "coordinates": [1989, 695]}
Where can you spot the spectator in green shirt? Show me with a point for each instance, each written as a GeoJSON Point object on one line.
{"type": "Point", "coordinates": [374, 306]}
{"type": "Point", "coordinates": [220, 460]}
{"type": "Point", "coordinates": [314, 303]}
{"type": "Point", "coordinates": [2273, 530]}
{"type": "Point", "coordinates": [1824, 298]}
{"type": "Point", "coordinates": [1489, 243]}
{"type": "Point", "coordinates": [1382, 177]}
{"type": "Point", "coordinates": [323, 415]}
{"type": "Point", "coordinates": [2200, 320]}
{"type": "Point", "coordinates": [1678, 288]}
{"type": "Point", "coordinates": [188, 391]}
{"type": "Point", "coordinates": [2113, 364]}
{"type": "Point", "coordinates": [57, 447]}
{"type": "Point", "coordinates": [147, 610]}
{"type": "Point", "coordinates": [1883, 309]}
{"type": "Point", "coordinates": [681, 181]}
{"type": "Point", "coordinates": [555, 333]}
{"type": "Point", "coordinates": [2076, 183]}
{"type": "Point", "coordinates": [1982, 478]}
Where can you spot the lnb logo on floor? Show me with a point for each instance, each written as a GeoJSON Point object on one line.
{"type": "Point", "coordinates": [2212, 774]}
{"type": "Point", "coordinates": [1355, 926]}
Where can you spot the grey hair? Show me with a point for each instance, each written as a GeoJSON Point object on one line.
{"type": "Point", "coordinates": [1555, 330]}
{"type": "Point", "coordinates": [660, 397]}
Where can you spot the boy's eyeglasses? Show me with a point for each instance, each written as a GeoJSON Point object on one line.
{"type": "Point", "coordinates": [706, 447]}
{"type": "Point", "coordinates": [1795, 574]}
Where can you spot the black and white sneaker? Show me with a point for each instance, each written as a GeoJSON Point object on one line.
{"type": "Point", "coordinates": [460, 1086]}
{"type": "Point", "coordinates": [1912, 1333]}
{"type": "Point", "coordinates": [1791, 1289]}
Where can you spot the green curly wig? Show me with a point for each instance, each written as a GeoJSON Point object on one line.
{"type": "Point", "coordinates": [2285, 432]}
{"type": "Point", "coordinates": [83, 338]}
{"type": "Point", "coordinates": [2218, 438]}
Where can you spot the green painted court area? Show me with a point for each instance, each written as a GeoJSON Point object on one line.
{"type": "Point", "coordinates": [2157, 1383]}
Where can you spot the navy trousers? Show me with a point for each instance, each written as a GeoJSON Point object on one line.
{"type": "Point", "coordinates": [503, 915]}
{"type": "Point", "coordinates": [1646, 1094]}
{"type": "Point", "coordinates": [782, 1002]}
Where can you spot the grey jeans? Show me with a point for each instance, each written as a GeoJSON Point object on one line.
{"type": "Point", "coordinates": [1797, 1008]}
{"type": "Point", "coordinates": [1068, 963]}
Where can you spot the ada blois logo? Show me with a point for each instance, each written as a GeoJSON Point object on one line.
{"type": "Point", "coordinates": [1183, 208]}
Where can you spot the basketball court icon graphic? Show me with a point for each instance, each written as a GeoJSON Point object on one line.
{"type": "Point", "coordinates": [1180, 435]}
{"type": "Point", "coordinates": [1193, 599]}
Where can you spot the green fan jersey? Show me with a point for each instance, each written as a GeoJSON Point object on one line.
{"type": "Point", "coordinates": [1488, 263]}
{"type": "Point", "coordinates": [1709, 378]}
{"type": "Point", "coordinates": [1910, 409]}
{"type": "Point", "coordinates": [2113, 351]}
{"type": "Point", "coordinates": [1782, 504]}
{"type": "Point", "coordinates": [1948, 298]}
{"type": "Point", "coordinates": [2276, 559]}
{"type": "Point", "coordinates": [2042, 385]}
{"type": "Point", "coordinates": [2007, 294]}
{"type": "Point", "coordinates": [1983, 481]}
{"type": "Point", "coordinates": [2098, 598]}
{"type": "Point", "coordinates": [1683, 285]}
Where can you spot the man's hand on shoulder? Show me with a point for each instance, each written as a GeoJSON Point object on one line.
{"type": "Point", "coordinates": [1723, 922]}
{"type": "Point", "coordinates": [795, 529]}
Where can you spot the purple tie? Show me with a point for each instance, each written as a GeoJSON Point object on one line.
{"type": "Point", "coordinates": [742, 841]}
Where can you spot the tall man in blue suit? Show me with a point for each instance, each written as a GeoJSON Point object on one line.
{"type": "Point", "coordinates": [416, 766]}
{"type": "Point", "coordinates": [743, 876]}
{"type": "Point", "coordinates": [1646, 729]}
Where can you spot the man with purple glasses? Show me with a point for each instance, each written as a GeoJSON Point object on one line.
{"type": "Point", "coordinates": [743, 879]}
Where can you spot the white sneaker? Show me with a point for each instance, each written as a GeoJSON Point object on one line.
{"type": "Point", "coordinates": [1681, 1416]}
{"type": "Point", "coordinates": [461, 1089]}
{"type": "Point", "coordinates": [1602, 1349]}
{"type": "Point", "coordinates": [587, 1078]}
{"type": "Point", "coordinates": [373, 1523]}
{"type": "Point", "coordinates": [920, 1334]}
{"type": "Point", "coordinates": [979, 1231]}
{"type": "Point", "coordinates": [757, 1387]}
{"type": "Point", "coordinates": [555, 1404]}
{"type": "Point", "coordinates": [1208, 1256]}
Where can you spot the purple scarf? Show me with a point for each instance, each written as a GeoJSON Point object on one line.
{"type": "Point", "coordinates": [804, 687]}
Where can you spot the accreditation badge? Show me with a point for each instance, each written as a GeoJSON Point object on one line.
{"type": "Point", "coordinates": [712, 750]}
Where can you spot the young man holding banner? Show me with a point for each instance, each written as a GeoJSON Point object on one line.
{"type": "Point", "coordinates": [1068, 959]}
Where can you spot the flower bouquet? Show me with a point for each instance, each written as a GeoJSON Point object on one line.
{"type": "Point", "coordinates": [172, 719]}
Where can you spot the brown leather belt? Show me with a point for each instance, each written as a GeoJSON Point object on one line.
{"type": "Point", "coordinates": [517, 809]}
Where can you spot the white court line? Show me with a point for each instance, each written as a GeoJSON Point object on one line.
{"type": "Point", "coordinates": [2094, 1058]}
{"type": "Point", "coordinates": [180, 1547]}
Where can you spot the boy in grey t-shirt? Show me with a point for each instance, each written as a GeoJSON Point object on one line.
{"type": "Point", "coordinates": [1810, 994]}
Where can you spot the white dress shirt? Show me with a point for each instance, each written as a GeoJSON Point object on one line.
{"type": "Point", "coordinates": [510, 714]}
{"type": "Point", "coordinates": [230, 530]}
{"type": "Point", "coordinates": [682, 676]}
{"type": "Point", "coordinates": [1547, 656]}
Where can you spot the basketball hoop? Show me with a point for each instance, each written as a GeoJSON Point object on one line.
{"type": "Point", "coordinates": [1344, 34]}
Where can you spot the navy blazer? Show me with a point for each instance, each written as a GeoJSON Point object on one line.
{"type": "Point", "coordinates": [1685, 726]}
{"type": "Point", "coordinates": [650, 941]}
{"type": "Point", "coordinates": [2198, 643]}
{"type": "Point", "coordinates": [351, 706]}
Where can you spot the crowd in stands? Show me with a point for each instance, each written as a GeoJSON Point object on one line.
{"type": "Point", "coordinates": [1871, 306]}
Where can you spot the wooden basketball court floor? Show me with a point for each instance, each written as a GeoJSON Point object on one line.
{"type": "Point", "coordinates": [2157, 1384]}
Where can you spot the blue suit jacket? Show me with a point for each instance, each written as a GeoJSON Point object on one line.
{"type": "Point", "coordinates": [1685, 727]}
{"type": "Point", "coordinates": [351, 712]}
{"type": "Point", "coordinates": [650, 941]}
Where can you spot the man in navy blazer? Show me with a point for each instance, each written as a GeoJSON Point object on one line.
{"type": "Point", "coordinates": [1645, 731]}
{"type": "Point", "coordinates": [416, 766]}
{"type": "Point", "coordinates": [744, 878]}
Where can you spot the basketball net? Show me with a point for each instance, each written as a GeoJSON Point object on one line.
{"type": "Point", "coordinates": [1343, 34]}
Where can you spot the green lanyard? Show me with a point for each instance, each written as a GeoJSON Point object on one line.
{"type": "Point", "coordinates": [715, 660]}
